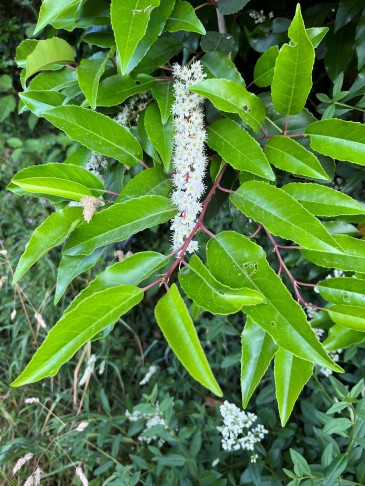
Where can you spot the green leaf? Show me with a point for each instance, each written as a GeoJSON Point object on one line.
{"type": "Point", "coordinates": [207, 292]}
{"type": "Point", "coordinates": [233, 143]}
{"type": "Point", "coordinates": [229, 257]}
{"type": "Point", "coordinates": [340, 338]}
{"type": "Point", "coordinates": [350, 316]}
{"type": "Point", "coordinates": [217, 42]}
{"type": "Point", "coordinates": [301, 467]}
{"type": "Point", "coordinates": [346, 12]}
{"type": "Point", "coordinates": [64, 180]}
{"type": "Point", "coordinates": [97, 132]}
{"type": "Point", "coordinates": [339, 51]}
{"type": "Point", "coordinates": [343, 290]}
{"type": "Point", "coordinates": [340, 139]}
{"type": "Point", "coordinates": [55, 80]}
{"type": "Point", "coordinates": [184, 18]}
{"type": "Point", "coordinates": [291, 374]}
{"type": "Point", "coordinates": [7, 106]}
{"type": "Point", "coordinates": [114, 90]}
{"type": "Point", "coordinates": [160, 135]}
{"type": "Point", "coordinates": [89, 73]}
{"type": "Point", "coordinates": [289, 155]}
{"type": "Point", "coordinates": [148, 182]}
{"type": "Point", "coordinates": [282, 215]}
{"type": "Point", "coordinates": [218, 65]}
{"type": "Point", "coordinates": [228, 7]}
{"type": "Point", "coordinates": [119, 222]}
{"type": "Point", "coordinates": [292, 80]}
{"type": "Point", "coordinates": [48, 52]}
{"type": "Point", "coordinates": [145, 141]}
{"type": "Point", "coordinates": [50, 10]}
{"type": "Point", "coordinates": [72, 266]}
{"type": "Point", "coordinates": [228, 96]}
{"type": "Point", "coordinates": [164, 95]}
{"type": "Point", "coordinates": [160, 53]}
{"type": "Point", "coordinates": [263, 72]}
{"type": "Point", "coordinates": [322, 200]}
{"type": "Point", "coordinates": [129, 22]}
{"type": "Point", "coordinates": [23, 50]}
{"type": "Point", "coordinates": [258, 349]}
{"type": "Point", "coordinates": [336, 425]}
{"type": "Point", "coordinates": [178, 328]}
{"type": "Point", "coordinates": [52, 232]}
{"type": "Point", "coordinates": [39, 102]}
{"type": "Point", "coordinates": [155, 27]}
{"type": "Point", "coordinates": [335, 469]}
{"type": "Point", "coordinates": [130, 271]}
{"type": "Point", "coordinates": [316, 34]}
{"type": "Point", "coordinates": [351, 258]}
{"type": "Point", "coordinates": [6, 82]}
{"type": "Point", "coordinates": [77, 327]}
{"type": "Point", "coordinates": [359, 42]}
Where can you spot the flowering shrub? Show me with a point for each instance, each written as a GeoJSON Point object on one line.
{"type": "Point", "coordinates": [260, 140]}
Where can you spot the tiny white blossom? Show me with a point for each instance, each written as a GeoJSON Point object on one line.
{"type": "Point", "coordinates": [38, 317]}
{"type": "Point", "coordinates": [215, 462]}
{"type": "Point", "coordinates": [20, 462]}
{"type": "Point", "coordinates": [102, 367]}
{"type": "Point", "coordinates": [82, 426]}
{"type": "Point", "coordinates": [3, 252]}
{"type": "Point", "coordinates": [88, 370]}
{"type": "Point", "coordinates": [34, 479]}
{"type": "Point", "coordinates": [13, 314]}
{"type": "Point", "coordinates": [31, 400]}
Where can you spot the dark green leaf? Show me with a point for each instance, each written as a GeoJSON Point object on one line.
{"type": "Point", "coordinates": [148, 182]}
{"type": "Point", "coordinates": [184, 18]}
{"type": "Point", "coordinates": [228, 7]}
{"type": "Point", "coordinates": [164, 95]}
{"type": "Point", "coordinates": [217, 42]}
{"type": "Point", "coordinates": [161, 135]}
{"type": "Point", "coordinates": [346, 12]}
{"type": "Point", "coordinates": [217, 65]}
{"type": "Point", "coordinates": [264, 68]}
{"type": "Point", "coordinates": [335, 426]}
{"type": "Point", "coordinates": [114, 90]}
{"type": "Point", "coordinates": [301, 467]}
{"type": "Point", "coordinates": [89, 73]}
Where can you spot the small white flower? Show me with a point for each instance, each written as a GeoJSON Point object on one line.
{"type": "Point", "coordinates": [82, 426]}
{"type": "Point", "coordinates": [151, 371]}
{"type": "Point", "coordinates": [40, 322]}
{"type": "Point", "coordinates": [31, 400]}
{"type": "Point", "coordinates": [80, 474]}
{"type": "Point", "coordinates": [13, 314]}
{"type": "Point", "coordinates": [215, 462]}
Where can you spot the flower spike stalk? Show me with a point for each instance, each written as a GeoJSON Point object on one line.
{"type": "Point", "coordinates": [189, 158]}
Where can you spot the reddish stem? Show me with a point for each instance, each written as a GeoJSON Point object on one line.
{"type": "Point", "coordinates": [112, 193]}
{"type": "Point", "coordinates": [256, 232]}
{"type": "Point", "coordinates": [224, 189]}
{"type": "Point", "coordinates": [209, 233]}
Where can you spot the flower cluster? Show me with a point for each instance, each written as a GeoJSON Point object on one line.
{"type": "Point", "coordinates": [335, 355]}
{"type": "Point", "coordinates": [131, 110]}
{"type": "Point", "coordinates": [235, 431]}
{"type": "Point", "coordinates": [97, 164]}
{"type": "Point", "coordinates": [259, 17]}
{"type": "Point", "coordinates": [152, 419]}
{"type": "Point", "coordinates": [189, 159]}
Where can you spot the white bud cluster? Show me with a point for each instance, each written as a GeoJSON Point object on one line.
{"type": "Point", "coordinates": [259, 17]}
{"type": "Point", "coordinates": [96, 164]}
{"type": "Point", "coordinates": [151, 371]}
{"type": "Point", "coordinates": [131, 110]}
{"type": "Point", "coordinates": [335, 355]}
{"type": "Point", "coordinates": [234, 435]}
{"type": "Point", "coordinates": [152, 419]}
{"type": "Point", "coordinates": [189, 158]}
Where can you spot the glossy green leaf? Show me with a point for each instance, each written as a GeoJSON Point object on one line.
{"type": "Point", "coordinates": [130, 271]}
{"type": "Point", "coordinates": [289, 155]}
{"type": "Point", "coordinates": [48, 52]}
{"type": "Point", "coordinates": [228, 7]}
{"type": "Point", "coordinates": [91, 14]}
{"type": "Point", "coordinates": [337, 425]}
{"type": "Point", "coordinates": [129, 22]}
{"type": "Point", "coordinates": [233, 143]}
{"type": "Point", "coordinates": [159, 54]}
{"type": "Point", "coordinates": [75, 328]}
{"type": "Point", "coordinates": [343, 290]}
{"type": "Point", "coordinates": [148, 182]}
{"type": "Point", "coordinates": [101, 38]}
{"type": "Point", "coordinates": [339, 51]}
{"type": "Point", "coordinates": [50, 10]}
{"type": "Point", "coordinates": [258, 349]}
{"type": "Point", "coordinates": [263, 72]}
{"type": "Point", "coordinates": [217, 42]}
{"type": "Point", "coordinates": [119, 222]}
{"type": "Point", "coordinates": [7, 106]}
{"type": "Point", "coordinates": [228, 96]}
{"type": "Point", "coordinates": [184, 18]}
{"type": "Point", "coordinates": [350, 316]}
{"type": "Point", "coordinates": [292, 79]}
{"type": "Point", "coordinates": [53, 81]}
{"type": "Point", "coordinates": [97, 132]}
{"type": "Point", "coordinates": [114, 90]}
{"type": "Point", "coordinates": [23, 50]}
{"type": "Point", "coordinates": [39, 102]}
{"type": "Point", "coordinates": [145, 141]}
{"type": "Point", "coordinates": [178, 328]}
{"type": "Point", "coordinates": [229, 257]}
{"type": "Point", "coordinates": [282, 215]}
{"type": "Point", "coordinates": [218, 65]}
{"type": "Point", "coordinates": [72, 266]}
{"type": "Point", "coordinates": [351, 258]}
{"type": "Point", "coordinates": [64, 180]}
{"type": "Point", "coordinates": [164, 95]}
{"type": "Point", "coordinates": [346, 12]}
{"type": "Point", "coordinates": [340, 337]}
{"type": "Point", "coordinates": [207, 292]}
{"type": "Point", "coordinates": [89, 73]}
{"type": "Point", "coordinates": [291, 374]}
{"type": "Point", "coordinates": [323, 200]}
{"type": "Point", "coordinates": [340, 139]}
{"type": "Point", "coordinates": [316, 34]}
{"type": "Point", "coordinates": [155, 27]}
{"type": "Point", "coordinates": [52, 232]}
{"type": "Point", "coordinates": [359, 42]}
{"type": "Point", "coordinates": [161, 135]}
